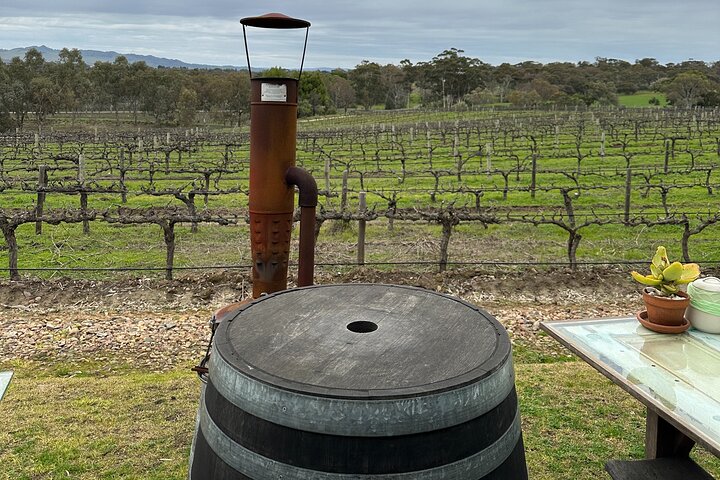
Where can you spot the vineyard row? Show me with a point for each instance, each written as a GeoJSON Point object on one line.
{"type": "Point", "coordinates": [447, 218]}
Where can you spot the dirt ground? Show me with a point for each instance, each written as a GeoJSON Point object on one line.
{"type": "Point", "coordinates": [159, 324]}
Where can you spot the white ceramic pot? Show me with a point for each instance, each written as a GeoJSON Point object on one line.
{"type": "Point", "coordinates": [704, 310]}
{"type": "Point", "coordinates": [703, 321]}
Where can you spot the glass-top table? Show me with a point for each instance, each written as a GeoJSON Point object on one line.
{"type": "Point", "coordinates": [677, 377]}
{"type": "Point", "coordinates": [4, 382]}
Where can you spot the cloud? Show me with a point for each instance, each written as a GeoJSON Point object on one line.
{"type": "Point", "coordinates": [346, 32]}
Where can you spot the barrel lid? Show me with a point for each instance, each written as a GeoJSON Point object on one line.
{"type": "Point", "coordinates": [363, 340]}
{"type": "Point", "coordinates": [709, 284]}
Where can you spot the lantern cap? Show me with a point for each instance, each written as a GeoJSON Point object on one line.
{"type": "Point", "coordinates": [275, 20]}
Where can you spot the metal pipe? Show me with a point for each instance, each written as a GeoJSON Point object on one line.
{"type": "Point", "coordinates": [273, 127]}
{"type": "Point", "coordinates": [307, 200]}
{"type": "Point", "coordinates": [307, 186]}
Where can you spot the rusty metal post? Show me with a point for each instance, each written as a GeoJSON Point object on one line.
{"type": "Point", "coordinates": [273, 127]}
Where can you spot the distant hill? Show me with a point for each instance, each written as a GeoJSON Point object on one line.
{"type": "Point", "coordinates": [92, 56]}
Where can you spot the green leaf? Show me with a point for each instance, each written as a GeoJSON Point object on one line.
{"type": "Point", "coordinates": [673, 272]}
{"type": "Point", "coordinates": [660, 258]}
{"type": "Point", "coordinates": [656, 271]}
{"type": "Point", "coordinates": [645, 280]}
{"type": "Point", "coordinates": [690, 272]}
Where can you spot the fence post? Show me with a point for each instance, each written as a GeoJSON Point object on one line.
{"type": "Point", "coordinates": [327, 178]}
{"type": "Point", "coordinates": [429, 144]}
{"type": "Point", "coordinates": [83, 209]}
{"type": "Point", "coordinates": [83, 193]}
{"type": "Point", "coordinates": [362, 209]}
{"type": "Point", "coordinates": [8, 231]}
{"type": "Point", "coordinates": [123, 190]}
{"type": "Point", "coordinates": [169, 236]}
{"type": "Point", "coordinates": [42, 183]}
{"type": "Point", "coordinates": [628, 189]}
{"type": "Point", "coordinates": [343, 198]}
{"type": "Point", "coordinates": [533, 175]}
{"type": "Point", "coordinates": [457, 156]}
{"type": "Point", "coordinates": [488, 151]}
{"type": "Point", "coordinates": [81, 169]}
{"type": "Point", "coordinates": [444, 244]}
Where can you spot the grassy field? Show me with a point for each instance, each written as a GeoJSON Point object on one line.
{"type": "Point", "coordinates": [65, 420]}
{"type": "Point", "coordinates": [642, 99]}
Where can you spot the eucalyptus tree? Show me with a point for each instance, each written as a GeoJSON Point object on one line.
{"type": "Point", "coordinates": [367, 80]}
{"type": "Point", "coordinates": [313, 96]}
{"type": "Point", "coordinates": [105, 91]}
{"type": "Point", "coordinates": [71, 76]}
{"type": "Point", "coordinates": [395, 86]}
{"type": "Point", "coordinates": [568, 77]}
{"type": "Point", "coordinates": [687, 88]}
{"type": "Point", "coordinates": [138, 86]}
{"type": "Point", "coordinates": [108, 84]}
{"type": "Point", "coordinates": [450, 76]}
{"type": "Point", "coordinates": [6, 121]}
{"type": "Point", "coordinates": [340, 89]}
{"type": "Point", "coordinates": [160, 95]}
{"type": "Point", "coordinates": [45, 97]}
{"type": "Point", "coordinates": [42, 92]}
{"type": "Point", "coordinates": [21, 72]}
{"type": "Point", "coordinates": [187, 104]}
{"type": "Point", "coordinates": [236, 97]}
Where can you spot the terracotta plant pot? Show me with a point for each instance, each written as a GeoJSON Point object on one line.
{"type": "Point", "coordinates": [664, 310]}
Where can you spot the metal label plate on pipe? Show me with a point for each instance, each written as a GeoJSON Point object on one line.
{"type": "Point", "coordinates": [4, 382]}
{"type": "Point", "coordinates": [272, 92]}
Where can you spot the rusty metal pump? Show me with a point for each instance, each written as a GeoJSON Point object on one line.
{"type": "Point", "coordinates": [274, 176]}
{"type": "Point", "coordinates": [273, 179]}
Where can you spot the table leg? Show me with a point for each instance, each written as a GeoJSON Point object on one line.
{"type": "Point", "coordinates": [664, 440]}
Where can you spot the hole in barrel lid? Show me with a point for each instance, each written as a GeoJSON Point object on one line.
{"type": "Point", "coordinates": [362, 326]}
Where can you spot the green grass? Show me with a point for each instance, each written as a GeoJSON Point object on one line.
{"type": "Point", "coordinates": [109, 245]}
{"type": "Point", "coordinates": [82, 421]}
{"type": "Point", "coordinates": [642, 99]}
{"type": "Point", "coordinates": [135, 425]}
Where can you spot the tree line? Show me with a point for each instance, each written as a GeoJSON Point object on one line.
{"type": "Point", "coordinates": [173, 96]}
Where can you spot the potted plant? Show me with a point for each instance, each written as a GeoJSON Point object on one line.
{"type": "Point", "coordinates": [665, 303]}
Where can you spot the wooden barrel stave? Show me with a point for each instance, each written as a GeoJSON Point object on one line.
{"type": "Point", "coordinates": [396, 454]}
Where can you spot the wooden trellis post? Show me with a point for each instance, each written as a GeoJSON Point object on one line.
{"type": "Point", "coordinates": [361, 229]}
{"type": "Point", "coordinates": [42, 183]}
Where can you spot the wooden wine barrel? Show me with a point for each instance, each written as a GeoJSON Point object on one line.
{"type": "Point", "coordinates": [356, 381]}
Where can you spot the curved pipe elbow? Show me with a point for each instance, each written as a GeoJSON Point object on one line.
{"type": "Point", "coordinates": [308, 191]}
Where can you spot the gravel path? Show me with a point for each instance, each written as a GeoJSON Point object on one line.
{"type": "Point", "coordinates": [161, 325]}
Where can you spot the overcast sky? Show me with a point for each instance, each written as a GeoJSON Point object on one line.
{"type": "Point", "coordinates": [344, 33]}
